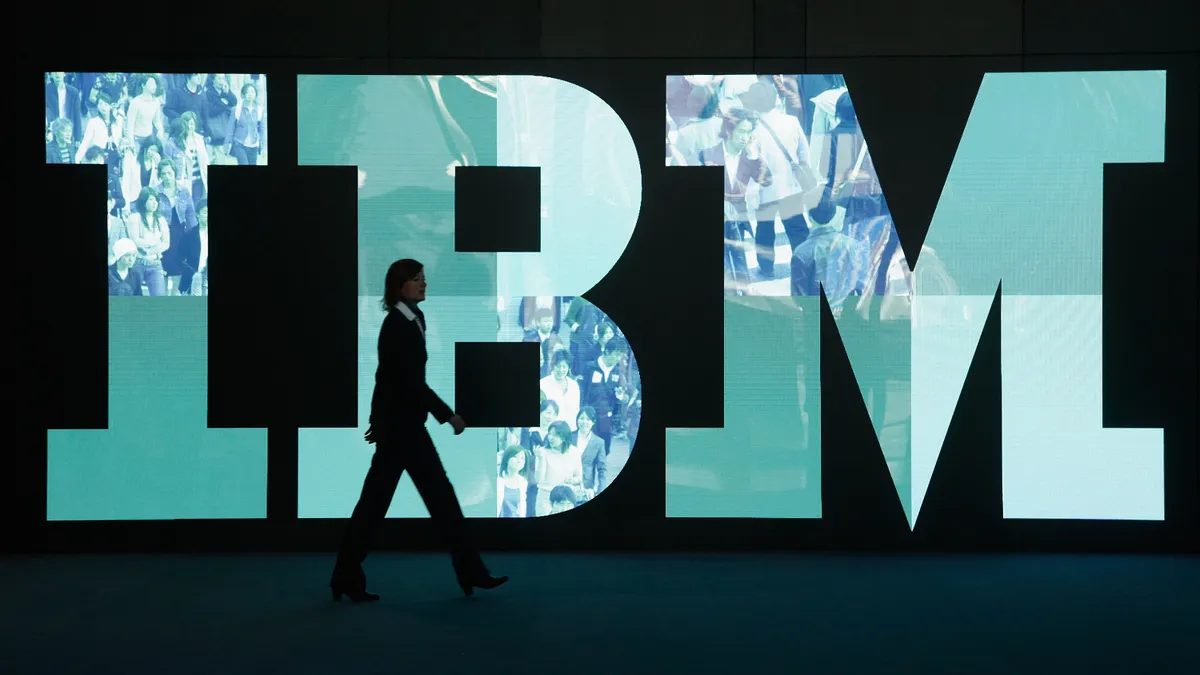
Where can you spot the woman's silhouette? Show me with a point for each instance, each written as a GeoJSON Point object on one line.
{"type": "Point", "coordinates": [399, 407]}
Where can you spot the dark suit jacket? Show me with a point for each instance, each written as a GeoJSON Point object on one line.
{"type": "Point", "coordinates": [402, 400]}
{"type": "Point", "coordinates": [73, 111]}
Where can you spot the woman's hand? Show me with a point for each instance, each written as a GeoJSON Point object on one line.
{"type": "Point", "coordinates": [369, 437]}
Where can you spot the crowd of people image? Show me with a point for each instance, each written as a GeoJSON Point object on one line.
{"type": "Point", "coordinates": [589, 415]}
{"type": "Point", "coordinates": [158, 134]}
{"type": "Point", "coordinates": [803, 205]}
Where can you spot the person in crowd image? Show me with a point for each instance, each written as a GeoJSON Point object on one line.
{"type": "Point", "coordinates": [62, 147]}
{"type": "Point", "coordinates": [581, 319]}
{"type": "Point", "coordinates": [828, 258]}
{"type": "Point", "coordinates": [562, 498]}
{"type": "Point", "coordinates": [246, 136]}
{"type": "Point", "coordinates": [600, 381]}
{"type": "Point", "coordinates": [151, 232]}
{"type": "Point", "coordinates": [739, 152]}
{"type": "Point", "coordinates": [103, 130]}
{"type": "Point", "coordinates": [63, 102]}
{"type": "Point", "coordinates": [593, 455]}
{"type": "Point", "coordinates": [175, 205]}
{"type": "Point", "coordinates": [400, 405]}
{"type": "Point", "coordinates": [512, 484]}
{"type": "Point", "coordinates": [188, 98]}
{"type": "Point", "coordinates": [124, 276]}
{"type": "Point", "coordinates": [560, 387]}
{"type": "Point", "coordinates": [786, 155]}
{"type": "Point", "coordinates": [141, 170]}
{"type": "Point", "coordinates": [217, 113]}
{"type": "Point", "coordinates": [189, 151]}
{"type": "Point", "coordinates": [144, 119]}
{"type": "Point", "coordinates": [556, 463]}
{"type": "Point", "coordinates": [197, 251]}
{"type": "Point", "coordinates": [537, 438]}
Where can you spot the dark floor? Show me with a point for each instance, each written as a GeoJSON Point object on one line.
{"type": "Point", "coordinates": [627, 614]}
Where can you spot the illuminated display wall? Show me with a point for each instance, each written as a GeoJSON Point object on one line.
{"type": "Point", "coordinates": [805, 221]}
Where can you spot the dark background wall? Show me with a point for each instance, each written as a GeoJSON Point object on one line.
{"type": "Point", "coordinates": [621, 50]}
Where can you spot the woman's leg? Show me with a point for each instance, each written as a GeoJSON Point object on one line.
{"type": "Point", "coordinates": [429, 477]}
{"type": "Point", "coordinates": [378, 490]}
{"type": "Point", "coordinates": [156, 283]}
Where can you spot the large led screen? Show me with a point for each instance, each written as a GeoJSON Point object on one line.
{"type": "Point", "coordinates": [158, 134]}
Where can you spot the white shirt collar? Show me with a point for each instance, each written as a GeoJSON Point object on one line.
{"type": "Point", "coordinates": [410, 315]}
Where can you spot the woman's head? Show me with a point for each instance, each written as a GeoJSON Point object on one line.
{"type": "Point", "coordinates": [605, 331]}
{"type": "Point", "coordinates": [249, 93]}
{"type": "Point", "coordinates": [179, 132]}
{"type": "Point", "coordinates": [562, 365]}
{"type": "Point", "coordinates": [586, 419]}
{"type": "Point", "coordinates": [147, 203]}
{"type": "Point", "coordinates": [103, 104]}
{"type": "Point", "coordinates": [202, 212]}
{"type": "Point", "coordinates": [190, 122]}
{"type": "Point", "coordinates": [405, 281]}
{"type": "Point", "coordinates": [513, 461]}
{"type": "Point", "coordinates": [150, 152]}
{"type": "Point", "coordinates": [558, 436]}
{"type": "Point", "coordinates": [548, 412]}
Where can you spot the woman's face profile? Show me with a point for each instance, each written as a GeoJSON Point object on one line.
{"type": "Point", "coordinates": [548, 416]}
{"type": "Point", "coordinates": [413, 290]}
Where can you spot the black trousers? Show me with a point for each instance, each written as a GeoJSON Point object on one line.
{"type": "Point", "coordinates": [410, 450]}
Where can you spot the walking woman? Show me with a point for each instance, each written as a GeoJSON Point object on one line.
{"type": "Point", "coordinates": [399, 407]}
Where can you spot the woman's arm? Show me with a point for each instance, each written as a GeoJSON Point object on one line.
{"type": "Point", "coordinates": [522, 502]}
{"type": "Point", "coordinates": [165, 241]}
{"type": "Point", "coordinates": [136, 229]}
{"type": "Point", "coordinates": [500, 496]}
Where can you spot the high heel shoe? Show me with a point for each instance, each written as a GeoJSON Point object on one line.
{"type": "Point", "coordinates": [355, 596]}
{"type": "Point", "coordinates": [486, 582]}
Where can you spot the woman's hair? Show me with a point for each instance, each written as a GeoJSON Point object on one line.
{"type": "Point", "coordinates": [190, 116]}
{"type": "Point", "coordinates": [562, 430]}
{"type": "Point", "coordinates": [510, 452]}
{"type": "Point", "coordinates": [178, 132]}
{"type": "Point", "coordinates": [150, 143]}
{"type": "Point", "coordinates": [548, 404]}
{"type": "Point", "coordinates": [139, 207]}
{"type": "Point", "coordinates": [248, 86]}
{"type": "Point", "coordinates": [588, 411]}
{"type": "Point", "coordinates": [398, 273]}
